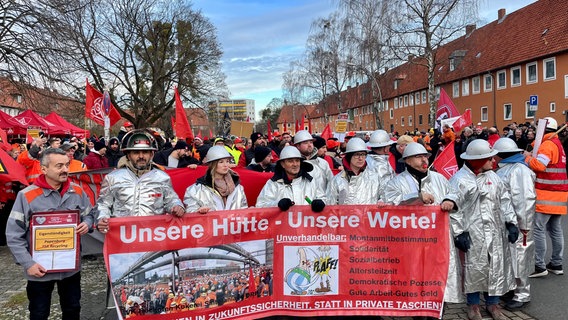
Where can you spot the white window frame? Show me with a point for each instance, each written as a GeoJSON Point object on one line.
{"type": "Point", "coordinates": [465, 87]}
{"type": "Point", "coordinates": [402, 121]}
{"type": "Point", "coordinates": [566, 86]}
{"type": "Point", "coordinates": [510, 105]}
{"type": "Point", "coordinates": [527, 112]}
{"type": "Point", "coordinates": [406, 100]}
{"type": "Point", "coordinates": [544, 69]}
{"type": "Point", "coordinates": [518, 83]}
{"type": "Point", "coordinates": [400, 102]}
{"type": "Point", "coordinates": [420, 119]}
{"type": "Point", "coordinates": [529, 81]}
{"type": "Point", "coordinates": [395, 84]}
{"type": "Point", "coordinates": [455, 89]}
{"type": "Point", "coordinates": [19, 98]}
{"type": "Point", "coordinates": [500, 85]}
{"type": "Point", "coordinates": [424, 96]}
{"type": "Point", "coordinates": [410, 121]}
{"type": "Point", "coordinates": [417, 98]}
{"type": "Point", "coordinates": [396, 103]}
{"type": "Point", "coordinates": [485, 79]}
{"type": "Point", "coordinates": [552, 106]}
{"type": "Point", "coordinates": [475, 80]}
{"type": "Point", "coordinates": [391, 113]}
{"type": "Point", "coordinates": [484, 114]}
{"type": "Point", "coordinates": [411, 99]}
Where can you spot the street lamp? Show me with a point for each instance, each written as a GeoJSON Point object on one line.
{"type": "Point", "coordinates": [375, 89]}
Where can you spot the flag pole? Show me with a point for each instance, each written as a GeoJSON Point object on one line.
{"type": "Point", "coordinates": [106, 107]}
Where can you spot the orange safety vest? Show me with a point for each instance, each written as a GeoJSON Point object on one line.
{"type": "Point", "coordinates": [552, 184]}
{"type": "Point", "coordinates": [32, 166]}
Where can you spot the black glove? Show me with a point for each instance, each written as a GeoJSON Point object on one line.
{"type": "Point", "coordinates": [317, 205]}
{"type": "Point", "coordinates": [513, 232]}
{"type": "Point", "coordinates": [285, 204]}
{"type": "Point", "coordinates": [463, 241]}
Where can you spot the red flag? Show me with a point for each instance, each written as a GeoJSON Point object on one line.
{"type": "Point", "coordinates": [252, 284]}
{"type": "Point", "coordinates": [182, 128]}
{"type": "Point", "coordinates": [463, 121]}
{"type": "Point", "coordinates": [94, 107]}
{"type": "Point", "coordinates": [446, 108]}
{"type": "Point", "coordinates": [4, 141]}
{"type": "Point", "coordinates": [445, 163]}
{"type": "Point", "coordinates": [10, 170]}
{"type": "Point", "coordinates": [269, 131]}
{"type": "Point", "coordinates": [285, 127]}
{"type": "Point", "coordinates": [326, 134]}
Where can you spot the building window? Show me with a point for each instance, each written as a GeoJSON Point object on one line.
{"type": "Point", "coordinates": [395, 84]}
{"type": "Point", "coordinates": [396, 103]}
{"type": "Point", "coordinates": [484, 114]}
{"type": "Point", "coordinates": [553, 107]}
{"type": "Point", "coordinates": [420, 119]}
{"type": "Point", "coordinates": [528, 112]}
{"type": "Point", "coordinates": [19, 98]}
{"type": "Point", "coordinates": [465, 87]}
{"type": "Point", "coordinates": [532, 73]}
{"type": "Point", "coordinates": [437, 94]}
{"type": "Point", "coordinates": [507, 111]}
{"type": "Point", "coordinates": [549, 69]}
{"type": "Point", "coordinates": [391, 113]}
{"type": "Point", "coordinates": [488, 83]}
{"type": "Point", "coordinates": [400, 102]}
{"type": "Point", "coordinates": [452, 64]}
{"type": "Point", "coordinates": [406, 100]}
{"type": "Point", "coordinates": [410, 121]}
{"type": "Point", "coordinates": [402, 121]}
{"type": "Point", "coordinates": [501, 80]}
{"type": "Point", "coordinates": [417, 97]}
{"type": "Point", "coordinates": [476, 84]}
{"type": "Point", "coordinates": [410, 99]}
{"type": "Point", "coordinates": [515, 76]}
{"type": "Point", "coordinates": [423, 96]}
{"type": "Point", "coordinates": [455, 89]}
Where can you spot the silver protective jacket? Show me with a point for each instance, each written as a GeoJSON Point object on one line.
{"type": "Point", "coordinates": [200, 194]}
{"type": "Point", "coordinates": [380, 164]}
{"type": "Point", "coordinates": [274, 190]}
{"type": "Point", "coordinates": [403, 189]}
{"type": "Point", "coordinates": [321, 173]}
{"type": "Point", "coordinates": [483, 207]}
{"type": "Point", "coordinates": [350, 189]}
{"type": "Point", "coordinates": [124, 194]}
{"type": "Point", "coordinates": [519, 179]}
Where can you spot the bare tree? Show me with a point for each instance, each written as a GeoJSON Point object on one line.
{"type": "Point", "coordinates": [424, 26]}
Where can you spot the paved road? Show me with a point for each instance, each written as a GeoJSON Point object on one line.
{"type": "Point", "coordinates": [548, 303]}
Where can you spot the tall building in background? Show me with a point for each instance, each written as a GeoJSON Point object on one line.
{"type": "Point", "coordinates": [238, 109]}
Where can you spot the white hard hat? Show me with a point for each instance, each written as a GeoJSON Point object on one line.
{"type": "Point", "coordinates": [551, 123]}
{"type": "Point", "coordinates": [301, 136]}
{"type": "Point", "coordinates": [506, 145]}
{"type": "Point", "coordinates": [380, 138]}
{"type": "Point", "coordinates": [290, 152]}
{"type": "Point", "coordinates": [478, 149]}
{"type": "Point", "coordinates": [413, 149]}
{"type": "Point", "coordinates": [355, 145]}
{"type": "Point", "coordinates": [216, 153]}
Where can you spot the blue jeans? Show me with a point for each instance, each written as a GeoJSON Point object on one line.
{"type": "Point", "coordinates": [548, 222]}
{"type": "Point", "coordinates": [474, 298]}
{"type": "Point", "coordinates": [69, 290]}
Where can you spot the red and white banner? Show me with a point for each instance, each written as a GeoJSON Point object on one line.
{"type": "Point", "coordinates": [94, 109]}
{"type": "Point", "coordinates": [446, 163]}
{"type": "Point", "coordinates": [257, 262]}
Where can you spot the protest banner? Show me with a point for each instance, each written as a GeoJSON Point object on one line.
{"type": "Point", "coordinates": [258, 262]}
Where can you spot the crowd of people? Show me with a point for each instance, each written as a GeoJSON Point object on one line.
{"type": "Point", "coordinates": [502, 203]}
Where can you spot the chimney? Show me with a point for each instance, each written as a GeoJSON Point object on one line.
{"type": "Point", "coordinates": [469, 29]}
{"type": "Point", "coordinates": [501, 14]}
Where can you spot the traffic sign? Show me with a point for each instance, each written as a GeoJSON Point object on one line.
{"type": "Point", "coordinates": [533, 100]}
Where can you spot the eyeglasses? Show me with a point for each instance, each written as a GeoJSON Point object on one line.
{"type": "Point", "coordinates": [360, 154]}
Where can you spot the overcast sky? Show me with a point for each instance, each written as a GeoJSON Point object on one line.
{"type": "Point", "coordinates": [260, 38]}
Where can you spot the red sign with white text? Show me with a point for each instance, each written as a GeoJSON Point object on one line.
{"type": "Point", "coordinates": [258, 262]}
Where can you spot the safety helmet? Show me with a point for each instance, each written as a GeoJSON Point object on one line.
{"type": "Point", "coordinates": [139, 140]}
{"type": "Point", "coordinates": [216, 153]}
{"type": "Point", "coordinates": [380, 138]}
{"type": "Point", "coordinates": [478, 149]}
{"type": "Point", "coordinates": [127, 124]}
{"type": "Point", "coordinates": [414, 149]}
{"type": "Point", "coordinates": [506, 145]}
{"type": "Point", "coordinates": [355, 145]}
{"type": "Point", "coordinates": [301, 136]}
{"type": "Point", "coordinates": [171, 295]}
{"type": "Point", "coordinates": [551, 123]}
{"type": "Point", "coordinates": [290, 152]}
